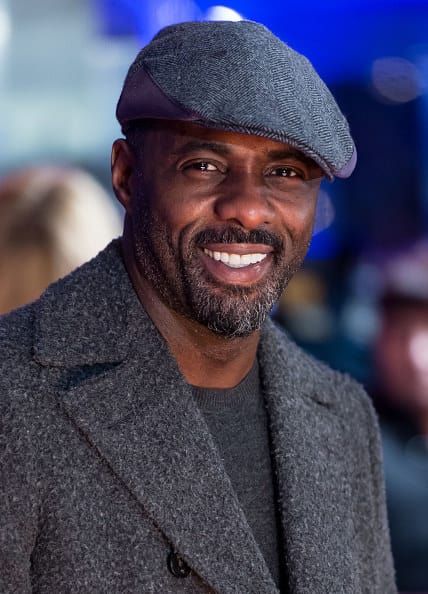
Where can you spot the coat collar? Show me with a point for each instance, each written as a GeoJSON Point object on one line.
{"type": "Point", "coordinates": [140, 416]}
{"type": "Point", "coordinates": [94, 316]}
{"type": "Point", "coordinates": [91, 316]}
{"type": "Point", "coordinates": [121, 387]}
{"type": "Point", "coordinates": [311, 450]}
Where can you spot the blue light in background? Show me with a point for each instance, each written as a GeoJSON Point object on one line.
{"type": "Point", "coordinates": [143, 19]}
{"type": "Point", "coordinates": [341, 38]}
{"type": "Point", "coordinates": [423, 64]}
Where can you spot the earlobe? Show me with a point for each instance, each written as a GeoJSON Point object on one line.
{"type": "Point", "coordinates": [122, 168]}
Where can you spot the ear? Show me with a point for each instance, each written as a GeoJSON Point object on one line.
{"type": "Point", "coordinates": [122, 168]}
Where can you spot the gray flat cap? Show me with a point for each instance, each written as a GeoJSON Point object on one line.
{"type": "Point", "coordinates": [238, 76]}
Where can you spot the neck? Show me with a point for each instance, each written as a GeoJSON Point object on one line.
{"type": "Point", "coordinates": [205, 359]}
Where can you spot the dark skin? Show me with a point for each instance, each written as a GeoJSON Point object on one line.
{"type": "Point", "coordinates": [192, 178]}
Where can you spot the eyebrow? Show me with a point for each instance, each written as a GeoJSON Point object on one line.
{"type": "Point", "coordinates": [194, 145]}
{"type": "Point", "coordinates": [223, 149]}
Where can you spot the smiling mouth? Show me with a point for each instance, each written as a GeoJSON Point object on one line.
{"type": "Point", "coordinates": [233, 260]}
{"type": "Point", "coordinates": [237, 263]}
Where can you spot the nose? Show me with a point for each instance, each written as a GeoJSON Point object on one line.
{"type": "Point", "coordinates": [244, 200]}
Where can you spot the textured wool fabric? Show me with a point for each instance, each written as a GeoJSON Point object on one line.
{"type": "Point", "coordinates": [238, 76]}
{"type": "Point", "coordinates": [107, 463]}
{"type": "Point", "coordinates": [237, 420]}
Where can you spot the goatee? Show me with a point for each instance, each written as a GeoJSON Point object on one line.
{"type": "Point", "coordinates": [183, 283]}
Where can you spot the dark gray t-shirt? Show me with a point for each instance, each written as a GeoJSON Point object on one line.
{"type": "Point", "coordinates": [238, 421]}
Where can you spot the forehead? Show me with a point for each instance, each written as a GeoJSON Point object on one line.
{"type": "Point", "coordinates": [170, 136]}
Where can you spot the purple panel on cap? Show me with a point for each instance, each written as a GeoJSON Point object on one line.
{"type": "Point", "coordinates": [349, 167]}
{"type": "Point", "coordinates": [142, 98]}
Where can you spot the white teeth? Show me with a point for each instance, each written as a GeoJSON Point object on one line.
{"type": "Point", "coordinates": [235, 260]}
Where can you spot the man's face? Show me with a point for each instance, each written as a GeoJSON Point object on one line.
{"type": "Point", "coordinates": [220, 222]}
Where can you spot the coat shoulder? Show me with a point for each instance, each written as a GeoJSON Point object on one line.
{"type": "Point", "coordinates": [16, 332]}
{"type": "Point", "coordinates": [18, 371]}
{"type": "Point", "coordinates": [316, 379]}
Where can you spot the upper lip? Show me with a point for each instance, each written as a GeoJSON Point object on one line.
{"type": "Point", "coordinates": [239, 248]}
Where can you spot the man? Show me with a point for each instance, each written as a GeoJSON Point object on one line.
{"type": "Point", "coordinates": [161, 435]}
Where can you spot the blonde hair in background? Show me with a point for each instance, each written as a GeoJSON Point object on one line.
{"type": "Point", "coordinates": [52, 220]}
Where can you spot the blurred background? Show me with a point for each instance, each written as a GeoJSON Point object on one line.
{"type": "Point", "coordinates": [362, 296]}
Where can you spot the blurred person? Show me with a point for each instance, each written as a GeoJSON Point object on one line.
{"type": "Point", "coordinates": [162, 435]}
{"type": "Point", "coordinates": [52, 220]}
{"type": "Point", "coordinates": [401, 395]}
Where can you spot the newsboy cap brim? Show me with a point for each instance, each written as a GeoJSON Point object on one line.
{"type": "Point", "coordinates": [238, 76]}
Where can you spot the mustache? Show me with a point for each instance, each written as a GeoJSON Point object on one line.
{"type": "Point", "coordinates": [238, 235]}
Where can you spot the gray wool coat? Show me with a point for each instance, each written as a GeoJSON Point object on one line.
{"type": "Point", "coordinates": [107, 464]}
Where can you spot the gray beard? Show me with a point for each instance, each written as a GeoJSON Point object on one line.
{"type": "Point", "coordinates": [229, 311]}
{"type": "Point", "coordinates": [229, 319]}
{"type": "Point", "coordinates": [234, 311]}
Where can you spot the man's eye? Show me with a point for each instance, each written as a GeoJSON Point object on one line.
{"type": "Point", "coordinates": [202, 166]}
{"type": "Point", "coordinates": [285, 172]}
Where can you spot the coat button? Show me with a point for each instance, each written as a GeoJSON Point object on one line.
{"type": "Point", "coordinates": [177, 566]}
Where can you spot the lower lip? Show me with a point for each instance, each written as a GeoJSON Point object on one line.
{"type": "Point", "coordinates": [248, 275]}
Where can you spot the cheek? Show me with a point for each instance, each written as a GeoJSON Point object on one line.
{"type": "Point", "coordinates": [180, 194]}
{"type": "Point", "coordinates": [298, 218]}
{"type": "Point", "coordinates": [179, 209]}
{"type": "Point", "coordinates": [174, 223]}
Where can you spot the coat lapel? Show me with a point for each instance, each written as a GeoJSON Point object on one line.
{"type": "Point", "coordinates": [310, 458]}
{"type": "Point", "coordinates": [122, 389]}
{"type": "Point", "coordinates": [130, 401]}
